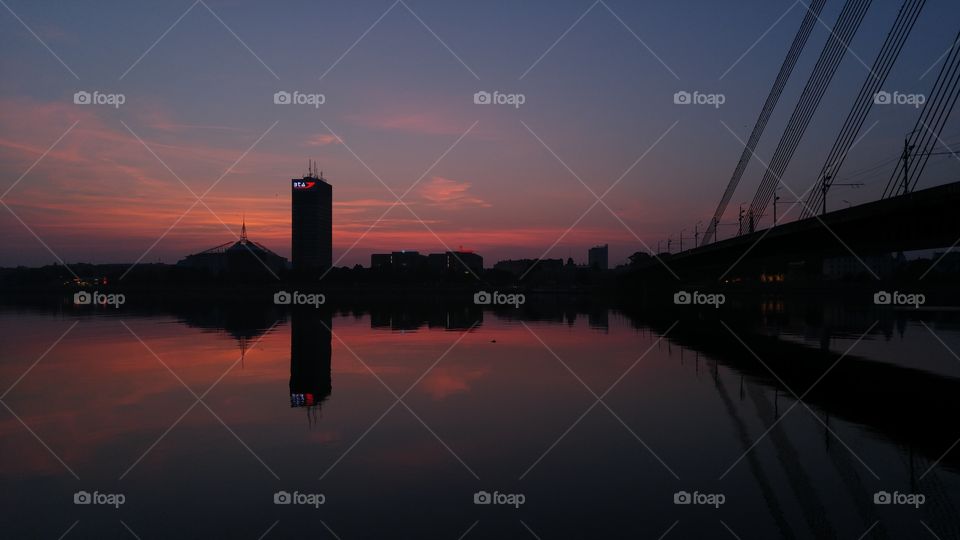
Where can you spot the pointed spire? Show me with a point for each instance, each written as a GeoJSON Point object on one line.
{"type": "Point", "coordinates": [243, 228]}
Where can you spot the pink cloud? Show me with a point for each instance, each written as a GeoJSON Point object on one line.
{"type": "Point", "coordinates": [100, 196]}
{"type": "Point", "coordinates": [322, 139]}
{"type": "Point", "coordinates": [450, 194]}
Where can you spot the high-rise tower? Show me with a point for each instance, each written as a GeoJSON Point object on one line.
{"type": "Point", "coordinates": [312, 222]}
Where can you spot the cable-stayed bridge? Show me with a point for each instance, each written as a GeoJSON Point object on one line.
{"type": "Point", "coordinates": [905, 218]}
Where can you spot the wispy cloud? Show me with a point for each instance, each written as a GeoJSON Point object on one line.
{"type": "Point", "coordinates": [450, 194]}
{"type": "Point", "coordinates": [321, 139]}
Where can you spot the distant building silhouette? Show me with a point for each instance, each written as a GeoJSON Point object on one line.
{"type": "Point", "coordinates": [407, 261]}
{"type": "Point", "coordinates": [381, 261]}
{"type": "Point", "coordinates": [641, 258]}
{"type": "Point", "coordinates": [598, 257]}
{"type": "Point", "coordinates": [519, 267]}
{"type": "Point", "coordinates": [399, 260]}
{"type": "Point", "coordinates": [241, 257]}
{"type": "Point", "coordinates": [312, 222]}
{"type": "Point", "coordinates": [463, 261]}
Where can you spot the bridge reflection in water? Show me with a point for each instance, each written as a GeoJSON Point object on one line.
{"type": "Point", "coordinates": [704, 397]}
{"type": "Point", "coordinates": [909, 406]}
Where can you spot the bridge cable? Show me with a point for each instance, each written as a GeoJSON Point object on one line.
{"type": "Point", "coordinates": [833, 52]}
{"type": "Point", "coordinates": [869, 92]}
{"type": "Point", "coordinates": [933, 118]}
{"type": "Point", "coordinates": [786, 69]}
{"type": "Point", "coordinates": [803, 113]}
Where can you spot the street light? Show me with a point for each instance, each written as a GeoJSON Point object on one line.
{"type": "Point", "coordinates": [827, 184]}
{"type": "Point", "coordinates": [740, 219]}
{"type": "Point", "coordinates": [907, 149]}
{"type": "Point", "coordinates": [776, 199]}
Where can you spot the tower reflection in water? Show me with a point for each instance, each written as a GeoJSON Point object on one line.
{"type": "Point", "coordinates": [310, 350]}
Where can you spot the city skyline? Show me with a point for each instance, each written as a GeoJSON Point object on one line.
{"type": "Point", "coordinates": [431, 269]}
{"type": "Point", "coordinates": [507, 179]}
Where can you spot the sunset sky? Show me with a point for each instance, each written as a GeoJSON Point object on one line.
{"type": "Point", "coordinates": [399, 80]}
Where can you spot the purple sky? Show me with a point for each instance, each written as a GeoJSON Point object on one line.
{"type": "Point", "coordinates": [104, 183]}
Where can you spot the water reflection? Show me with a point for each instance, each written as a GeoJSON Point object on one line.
{"type": "Point", "coordinates": [907, 405]}
{"type": "Point", "coordinates": [708, 398]}
{"type": "Point", "coordinates": [912, 407]}
{"type": "Point", "coordinates": [310, 353]}
{"type": "Point", "coordinates": [437, 316]}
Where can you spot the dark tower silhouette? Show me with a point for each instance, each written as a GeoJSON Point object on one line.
{"type": "Point", "coordinates": [312, 222]}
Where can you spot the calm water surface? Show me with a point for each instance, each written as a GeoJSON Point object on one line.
{"type": "Point", "coordinates": [398, 419]}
